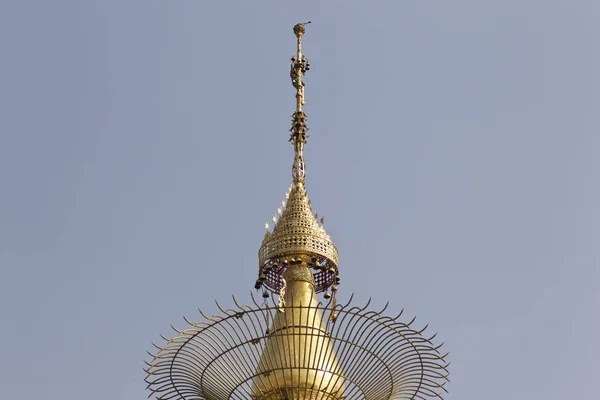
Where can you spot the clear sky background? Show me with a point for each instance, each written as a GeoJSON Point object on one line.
{"type": "Point", "coordinates": [454, 153]}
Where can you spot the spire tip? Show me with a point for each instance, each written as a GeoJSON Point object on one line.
{"type": "Point", "coordinates": [299, 29]}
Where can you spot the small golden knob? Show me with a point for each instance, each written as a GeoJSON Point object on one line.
{"type": "Point", "coordinates": [299, 30]}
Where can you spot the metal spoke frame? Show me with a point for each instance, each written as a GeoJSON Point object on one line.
{"type": "Point", "coordinates": [217, 358]}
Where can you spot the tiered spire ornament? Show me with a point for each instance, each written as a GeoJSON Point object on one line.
{"type": "Point", "coordinates": [297, 235]}
{"type": "Point", "coordinates": [297, 348]}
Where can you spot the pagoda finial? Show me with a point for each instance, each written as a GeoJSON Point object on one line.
{"type": "Point", "coordinates": [299, 129]}
{"type": "Point", "coordinates": [296, 236]}
{"type": "Point", "coordinates": [297, 347]}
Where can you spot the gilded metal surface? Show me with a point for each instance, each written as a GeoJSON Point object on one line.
{"type": "Point", "coordinates": [243, 354]}
{"type": "Point", "coordinates": [300, 272]}
{"type": "Point", "coordinates": [298, 131]}
{"type": "Point", "coordinates": [298, 355]}
{"type": "Point", "coordinates": [297, 348]}
{"type": "Point", "coordinates": [297, 232]}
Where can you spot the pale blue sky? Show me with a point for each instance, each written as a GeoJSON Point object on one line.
{"type": "Point", "coordinates": [454, 153]}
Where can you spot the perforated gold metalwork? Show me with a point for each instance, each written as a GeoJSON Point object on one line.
{"type": "Point", "coordinates": [298, 234]}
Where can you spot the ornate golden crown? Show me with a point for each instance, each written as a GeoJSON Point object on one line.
{"type": "Point", "coordinates": [297, 235]}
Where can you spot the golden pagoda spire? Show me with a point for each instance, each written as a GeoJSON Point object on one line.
{"type": "Point", "coordinates": [298, 356]}
{"type": "Point", "coordinates": [297, 348]}
{"type": "Point", "coordinates": [297, 235]}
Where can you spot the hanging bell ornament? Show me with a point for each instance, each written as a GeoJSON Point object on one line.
{"type": "Point", "coordinates": [327, 295]}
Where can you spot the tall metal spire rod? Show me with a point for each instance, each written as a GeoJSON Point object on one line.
{"type": "Point", "coordinates": [299, 129]}
{"type": "Point", "coordinates": [299, 66]}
